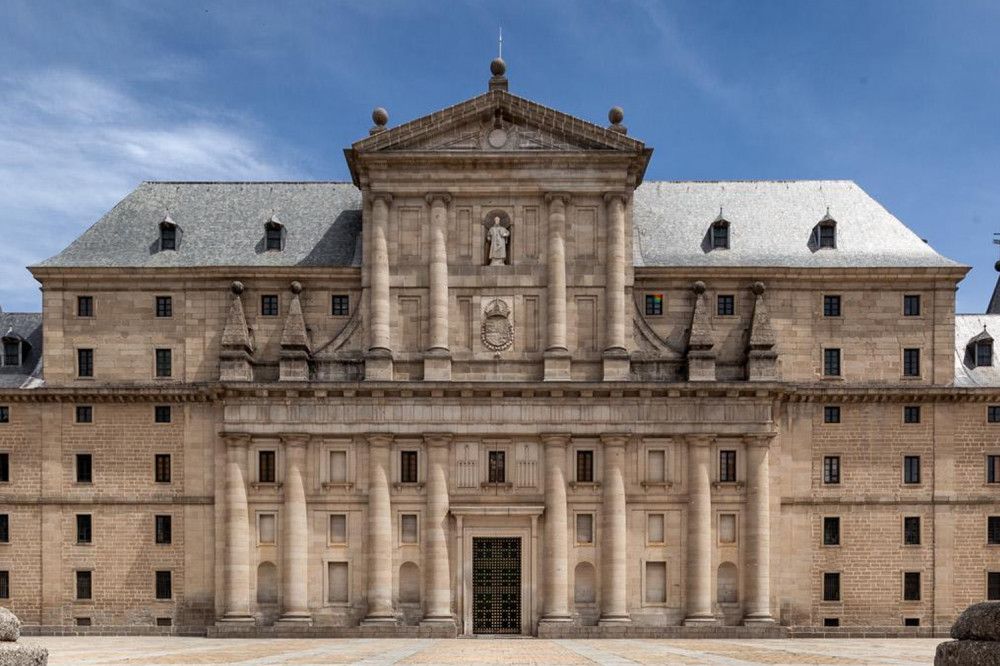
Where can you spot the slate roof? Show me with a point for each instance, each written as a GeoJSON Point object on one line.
{"type": "Point", "coordinates": [968, 328]}
{"type": "Point", "coordinates": [28, 327]}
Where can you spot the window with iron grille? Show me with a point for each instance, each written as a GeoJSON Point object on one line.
{"type": "Point", "coordinates": [992, 469]}
{"type": "Point", "coordinates": [161, 414]}
{"type": "Point", "coordinates": [585, 466]}
{"type": "Point", "coordinates": [84, 585]}
{"type": "Point", "coordinates": [911, 530]}
{"type": "Point", "coordinates": [4, 528]}
{"type": "Point", "coordinates": [727, 466]}
{"type": "Point", "coordinates": [84, 306]}
{"type": "Point", "coordinates": [911, 414]}
{"type": "Point", "coordinates": [831, 362]}
{"type": "Point", "coordinates": [164, 363]}
{"type": "Point", "coordinates": [4, 468]}
{"type": "Point", "coordinates": [164, 585]}
{"type": "Point", "coordinates": [726, 305]}
{"type": "Point", "coordinates": [831, 469]}
{"type": "Point", "coordinates": [84, 414]}
{"type": "Point", "coordinates": [408, 469]}
{"type": "Point", "coordinates": [993, 530]}
{"type": "Point", "coordinates": [340, 305]}
{"type": "Point", "coordinates": [831, 414]}
{"type": "Point", "coordinates": [831, 306]}
{"type": "Point", "coordinates": [164, 530]}
{"type": "Point", "coordinates": [911, 586]}
{"type": "Point", "coordinates": [911, 621]}
{"type": "Point", "coordinates": [984, 354]}
{"type": "Point", "coordinates": [269, 305]}
{"type": "Point", "coordinates": [720, 235]}
{"type": "Point", "coordinates": [161, 464]}
{"type": "Point", "coordinates": [85, 362]}
{"type": "Point", "coordinates": [654, 304]}
{"type": "Point", "coordinates": [911, 305]}
{"type": "Point", "coordinates": [84, 528]}
{"type": "Point", "coordinates": [497, 467]}
{"type": "Point", "coordinates": [164, 306]}
{"type": "Point", "coordinates": [272, 236]}
{"type": "Point", "coordinates": [831, 587]}
{"type": "Point", "coordinates": [267, 467]}
{"type": "Point", "coordinates": [4, 414]}
{"type": "Point", "coordinates": [911, 362]}
{"type": "Point", "coordinates": [831, 621]}
{"type": "Point", "coordinates": [993, 414]}
{"type": "Point", "coordinates": [831, 531]}
{"type": "Point", "coordinates": [911, 469]}
{"type": "Point", "coordinates": [993, 586]}
{"type": "Point", "coordinates": [4, 585]}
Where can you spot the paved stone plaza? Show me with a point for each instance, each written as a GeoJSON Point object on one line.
{"type": "Point", "coordinates": [145, 650]}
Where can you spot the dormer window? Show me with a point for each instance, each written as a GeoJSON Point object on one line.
{"type": "Point", "coordinates": [825, 233]}
{"type": "Point", "coordinates": [274, 234]}
{"type": "Point", "coordinates": [11, 352]}
{"type": "Point", "coordinates": [720, 235]}
{"type": "Point", "coordinates": [168, 234]}
{"type": "Point", "coordinates": [984, 354]}
{"type": "Point", "coordinates": [979, 350]}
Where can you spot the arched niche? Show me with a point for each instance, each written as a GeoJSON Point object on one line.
{"type": "Point", "coordinates": [267, 583]}
{"type": "Point", "coordinates": [409, 583]}
{"type": "Point", "coordinates": [584, 583]}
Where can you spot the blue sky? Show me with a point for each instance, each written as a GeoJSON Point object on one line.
{"type": "Point", "coordinates": [902, 96]}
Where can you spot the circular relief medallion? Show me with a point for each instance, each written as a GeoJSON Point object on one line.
{"type": "Point", "coordinates": [497, 138]}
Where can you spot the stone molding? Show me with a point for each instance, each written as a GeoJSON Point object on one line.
{"type": "Point", "coordinates": [431, 197]}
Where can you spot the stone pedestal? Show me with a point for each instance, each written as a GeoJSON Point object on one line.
{"type": "Point", "coordinates": [557, 365]}
{"type": "Point", "coordinates": [437, 365]}
{"type": "Point", "coordinates": [616, 365]}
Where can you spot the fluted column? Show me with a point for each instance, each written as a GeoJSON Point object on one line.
{"type": "Point", "coordinates": [557, 363]}
{"type": "Point", "coordinates": [437, 572]}
{"type": "Point", "coordinates": [614, 533]}
{"type": "Point", "coordinates": [378, 365]}
{"type": "Point", "coordinates": [699, 551]}
{"type": "Point", "coordinates": [295, 533]}
{"type": "Point", "coordinates": [555, 605]}
{"type": "Point", "coordinates": [236, 565]}
{"type": "Point", "coordinates": [616, 363]}
{"type": "Point", "coordinates": [379, 563]}
{"type": "Point", "coordinates": [437, 361]}
{"type": "Point", "coordinates": [758, 606]}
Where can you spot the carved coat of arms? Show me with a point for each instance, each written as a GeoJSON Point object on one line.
{"type": "Point", "coordinates": [498, 331]}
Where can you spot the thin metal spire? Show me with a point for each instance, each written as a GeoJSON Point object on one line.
{"type": "Point", "coordinates": [500, 49]}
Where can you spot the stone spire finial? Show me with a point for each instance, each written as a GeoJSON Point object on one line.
{"type": "Point", "coordinates": [616, 115]}
{"type": "Point", "coordinates": [237, 346]}
{"type": "Point", "coordinates": [381, 118]}
{"type": "Point", "coordinates": [499, 70]}
{"type": "Point", "coordinates": [700, 355]}
{"type": "Point", "coordinates": [294, 341]}
{"type": "Point", "coordinates": [762, 360]}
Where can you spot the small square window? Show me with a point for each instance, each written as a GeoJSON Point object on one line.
{"type": "Point", "coordinates": [164, 363]}
{"type": "Point", "coordinates": [911, 305]}
{"type": "Point", "coordinates": [164, 585]}
{"type": "Point", "coordinates": [993, 530]}
{"type": "Point", "coordinates": [84, 585]}
{"type": "Point", "coordinates": [911, 531]}
{"type": "Point", "coordinates": [4, 468]}
{"type": "Point", "coordinates": [911, 586]}
{"type": "Point", "coordinates": [727, 466]}
{"type": "Point", "coordinates": [84, 468]}
{"type": "Point", "coordinates": [993, 414]}
{"type": "Point", "coordinates": [4, 528]}
{"type": "Point", "coordinates": [84, 414]}
{"type": "Point", "coordinates": [992, 469]}
{"type": "Point", "coordinates": [831, 469]}
{"type": "Point", "coordinates": [84, 306]}
{"type": "Point", "coordinates": [4, 584]}
{"type": "Point", "coordinates": [408, 467]}
{"type": "Point", "coordinates": [993, 586]}
{"type": "Point", "coordinates": [726, 305]}
{"type": "Point", "coordinates": [340, 305]}
{"type": "Point", "coordinates": [911, 362]}
{"type": "Point", "coordinates": [4, 414]}
{"type": "Point", "coordinates": [911, 414]}
{"type": "Point", "coordinates": [269, 305]}
{"type": "Point", "coordinates": [585, 528]}
{"type": "Point", "coordinates": [84, 362]}
{"type": "Point", "coordinates": [267, 467]}
{"type": "Point", "coordinates": [911, 622]}
{"type": "Point", "coordinates": [161, 414]}
{"type": "Point", "coordinates": [654, 305]}
{"type": "Point", "coordinates": [497, 467]}
{"type": "Point", "coordinates": [831, 306]}
{"type": "Point", "coordinates": [831, 587]}
{"type": "Point", "coordinates": [164, 530]}
{"type": "Point", "coordinates": [408, 528]}
{"type": "Point", "coordinates": [162, 465]}
{"type": "Point", "coordinates": [584, 466]}
{"type": "Point", "coordinates": [338, 528]}
{"type": "Point", "coordinates": [831, 621]}
{"type": "Point", "coordinates": [164, 306]}
{"type": "Point", "coordinates": [911, 469]}
{"type": "Point", "coordinates": [831, 414]}
{"type": "Point", "coordinates": [831, 362]}
{"type": "Point", "coordinates": [831, 531]}
{"type": "Point", "coordinates": [84, 528]}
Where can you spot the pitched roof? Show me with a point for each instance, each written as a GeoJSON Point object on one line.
{"type": "Point", "coordinates": [222, 224]}
{"type": "Point", "coordinates": [968, 327]}
{"type": "Point", "coordinates": [26, 326]}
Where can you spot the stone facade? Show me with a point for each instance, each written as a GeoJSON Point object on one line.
{"type": "Point", "coordinates": [354, 406]}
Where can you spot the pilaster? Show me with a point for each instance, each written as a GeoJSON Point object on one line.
{"type": "Point", "coordinates": [614, 533]}
{"type": "Point", "coordinates": [437, 569]}
{"type": "Point", "coordinates": [556, 357]}
{"type": "Point", "coordinates": [758, 606]}
{"type": "Point", "coordinates": [236, 559]}
{"type": "Point", "coordinates": [437, 360]}
{"type": "Point", "coordinates": [380, 608]}
{"type": "Point", "coordinates": [555, 603]}
{"type": "Point", "coordinates": [616, 357]}
{"type": "Point", "coordinates": [378, 361]}
{"type": "Point", "coordinates": [699, 551]}
{"type": "Point", "coordinates": [295, 533]}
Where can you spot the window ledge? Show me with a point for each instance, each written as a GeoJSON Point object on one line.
{"type": "Point", "coordinates": [338, 485]}
{"type": "Point", "coordinates": [657, 484]}
{"type": "Point", "coordinates": [722, 485]}
{"type": "Point", "coordinates": [585, 485]}
{"type": "Point", "coordinates": [266, 486]}
{"type": "Point", "coordinates": [408, 485]}
{"type": "Point", "coordinates": [506, 485]}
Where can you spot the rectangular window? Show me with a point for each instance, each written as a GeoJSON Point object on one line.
{"type": "Point", "coordinates": [267, 471]}
{"type": "Point", "coordinates": [408, 528]}
{"type": "Point", "coordinates": [831, 531]}
{"type": "Point", "coordinates": [911, 362]}
{"type": "Point", "coordinates": [164, 585]}
{"type": "Point", "coordinates": [84, 528]}
{"type": "Point", "coordinates": [726, 305]}
{"type": "Point", "coordinates": [585, 528]}
{"type": "Point", "coordinates": [911, 414]}
{"type": "Point", "coordinates": [497, 467]}
{"type": "Point", "coordinates": [84, 362]}
{"type": "Point", "coordinates": [993, 530]}
{"type": "Point", "coordinates": [720, 236]}
{"type": "Point", "coordinates": [911, 469]}
{"type": "Point", "coordinates": [267, 529]}
{"type": "Point", "coordinates": [831, 414]}
{"type": "Point", "coordinates": [338, 466]}
{"type": "Point", "coordinates": [4, 468]}
{"type": "Point", "coordinates": [911, 621]}
{"type": "Point", "coordinates": [656, 466]}
{"type": "Point", "coordinates": [164, 530]}
{"type": "Point", "coordinates": [831, 587]}
{"type": "Point", "coordinates": [272, 237]}
{"type": "Point", "coordinates": [84, 585]}
{"type": "Point", "coordinates": [827, 236]}
{"type": "Point", "coordinates": [84, 414]}
{"type": "Point", "coordinates": [654, 305]}
{"type": "Point", "coordinates": [269, 305]}
{"type": "Point", "coordinates": [4, 528]}
{"type": "Point", "coordinates": [831, 469]}
{"type": "Point", "coordinates": [12, 353]}
{"type": "Point", "coordinates": [654, 528]}
{"type": "Point", "coordinates": [337, 581]}
{"type": "Point", "coordinates": [164, 622]}
{"type": "Point", "coordinates": [911, 531]}
{"type": "Point", "coordinates": [4, 585]}
{"type": "Point", "coordinates": [993, 414]}
{"type": "Point", "coordinates": [161, 465]}
{"type": "Point", "coordinates": [911, 305]}
{"type": "Point", "coordinates": [338, 528]}
{"type": "Point", "coordinates": [727, 466]}
{"type": "Point", "coordinates": [84, 468]}
{"type": "Point", "coordinates": [408, 470]}
{"type": "Point", "coordinates": [911, 586]}
{"type": "Point", "coordinates": [168, 237]}
{"type": "Point", "coordinates": [164, 306]}
{"type": "Point", "coordinates": [161, 414]}
{"type": "Point", "coordinates": [4, 414]}
{"type": "Point", "coordinates": [993, 586]}
{"type": "Point", "coordinates": [84, 306]}
{"type": "Point", "coordinates": [831, 306]}
{"type": "Point", "coordinates": [727, 527]}
{"type": "Point", "coordinates": [164, 363]}
{"type": "Point", "coordinates": [831, 362]}
{"type": "Point", "coordinates": [992, 469]}
{"type": "Point", "coordinates": [340, 305]}
{"type": "Point", "coordinates": [984, 354]}
{"type": "Point", "coordinates": [656, 582]}
{"type": "Point", "coordinates": [831, 621]}
{"type": "Point", "coordinates": [584, 466]}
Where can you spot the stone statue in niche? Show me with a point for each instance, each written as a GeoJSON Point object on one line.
{"type": "Point", "coordinates": [498, 239]}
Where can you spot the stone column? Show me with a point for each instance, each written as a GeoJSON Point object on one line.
{"type": "Point", "coordinates": [295, 533]}
{"type": "Point", "coordinates": [616, 363]}
{"type": "Point", "coordinates": [236, 566]}
{"type": "Point", "coordinates": [437, 571]}
{"type": "Point", "coordinates": [555, 605]}
{"type": "Point", "coordinates": [437, 360]}
{"type": "Point", "coordinates": [557, 361]}
{"type": "Point", "coordinates": [614, 533]}
{"type": "Point", "coordinates": [699, 551]}
{"type": "Point", "coordinates": [758, 605]}
{"type": "Point", "coordinates": [378, 364]}
{"type": "Point", "coordinates": [380, 609]}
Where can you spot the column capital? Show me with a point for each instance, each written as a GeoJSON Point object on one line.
{"type": "Point", "coordinates": [700, 439]}
{"type": "Point", "coordinates": [437, 438]}
{"type": "Point", "coordinates": [381, 196]}
{"type": "Point", "coordinates": [444, 197]}
{"type": "Point", "coordinates": [379, 438]}
{"type": "Point", "coordinates": [615, 196]}
{"type": "Point", "coordinates": [236, 438]}
{"type": "Point", "coordinates": [615, 438]}
{"type": "Point", "coordinates": [763, 439]}
{"type": "Point", "coordinates": [554, 439]}
{"type": "Point", "coordinates": [294, 438]}
{"type": "Point", "coordinates": [560, 196]}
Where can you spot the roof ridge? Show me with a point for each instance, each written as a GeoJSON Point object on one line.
{"type": "Point", "coordinates": [709, 182]}
{"type": "Point", "coordinates": [247, 182]}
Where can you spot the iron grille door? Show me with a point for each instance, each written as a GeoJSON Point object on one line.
{"type": "Point", "coordinates": [496, 585]}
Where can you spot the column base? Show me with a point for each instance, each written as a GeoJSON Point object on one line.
{"type": "Point", "coordinates": [441, 621]}
{"type": "Point", "coordinates": [616, 365]}
{"type": "Point", "coordinates": [755, 619]}
{"type": "Point", "coordinates": [379, 621]}
{"type": "Point", "coordinates": [236, 618]}
{"type": "Point", "coordinates": [437, 365]}
{"type": "Point", "coordinates": [700, 621]}
{"type": "Point", "coordinates": [556, 618]}
{"type": "Point", "coordinates": [557, 365]}
{"type": "Point", "coordinates": [613, 620]}
{"type": "Point", "coordinates": [298, 619]}
{"type": "Point", "coordinates": [378, 365]}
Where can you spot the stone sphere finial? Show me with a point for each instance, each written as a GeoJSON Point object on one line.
{"type": "Point", "coordinates": [236, 287]}
{"type": "Point", "coordinates": [380, 117]}
{"type": "Point", "coordinates": [758, 288]}
{"type": "Point", "coordinates": [996, 267]}
{"type": "Point", "coordinates": [498, 67]}
{"type": "Point", "coordinates": [699, 287]}
{"type": "Point", "coordinates": [616, 115]}
{"type": "Point", "coordinates": [296, 287]}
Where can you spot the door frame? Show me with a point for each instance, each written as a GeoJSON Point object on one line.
{"type": "Point", "coordinates": [527, 556]}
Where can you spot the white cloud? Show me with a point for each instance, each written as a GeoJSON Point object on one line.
{"type": "Point", "coordinates": [72, 145]}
